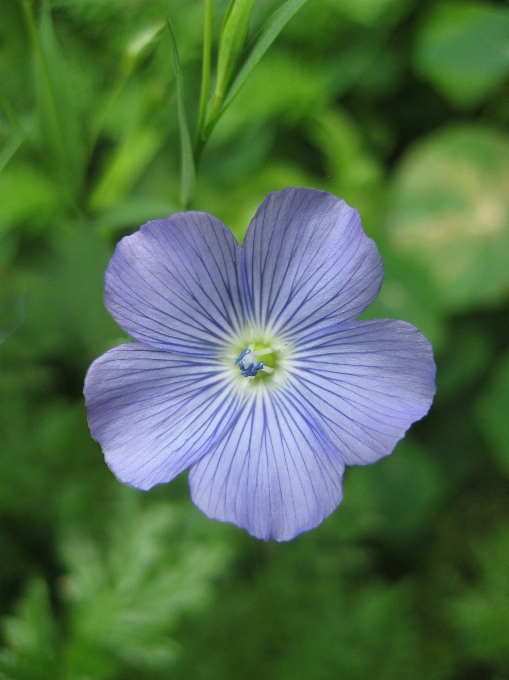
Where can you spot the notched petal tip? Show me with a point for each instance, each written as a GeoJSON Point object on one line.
{"type": "Point", "coordinates": [307, 262]}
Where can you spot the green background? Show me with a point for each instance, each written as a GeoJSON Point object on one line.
{"type": "Point", "coordinates": [401, 107]}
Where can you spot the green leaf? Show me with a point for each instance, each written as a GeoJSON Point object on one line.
{"type": "Point", "coordinates": [205, 76]}
{"type": "Point", "coordinates": [231, 43]}
{"type": "Point", "coordinates": [18, 133]}
{"type": "Point", "coordinates": [25, 193]}
{"type": "Point", "coordinates": [493, 410]}
{"type": "Point", "coordinates": [128, 163]}
{"type": "Point", "coordinates": [188, 170]}
{"type": "Point", "coordinates": [267, 35]}
{"type": "Point", "coordinates": [63, 146]}
{"type": "Point", "coordinates": [352, 171]}
{"type": "Point", "coordinates": [479, 609]}
{"type": "Point", "coordinates": [463, 49]}
{"type": "Point", "coordinates": [450, 212]}
{"type": "Point", "coordinates": [12, 308]}
{"type": "Point", "coordinates": [126, 599]}
{"type": "Point", "coordinates": [394, 499]}
{"type": "Point", "coordinates": [130, 213]}
{"type": "Point", "coordinates": [141, 46]}
{"type": "Point", "coordinates": [30, 636]}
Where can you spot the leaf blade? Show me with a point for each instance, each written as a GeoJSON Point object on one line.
{"type": "Point", "coordinates": [267, 35]}
{"type": "Point", "coordinates": [188, 170]}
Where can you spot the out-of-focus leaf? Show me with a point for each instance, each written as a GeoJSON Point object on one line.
{"type": "Point", "coordinates": [77, 315]}
{"type": "Point", "coordinates": [12, 312]}
{"type": "Point", "coordinates": [25, 193]}
{"type": "Point", "coordinates": [131, 214]}
{"type": "Point", "coordinates": [281, 87]}
{"type": "Point", "coordinates": [142, 45]}
{"type": "Point", "coordinates": [187, 166]}
{"type": "Point", "coordinates": [394, 499]}
{"type": "Point", "coordinates": [30, 637]}
{"type": "Point", "coordinates": [493, 412]}
{"type": "Point", "coordinates": [125, 600]}
{"type": "Point", "coordinates": [480, 611]}
{"type": "Point", "coordinates": [8, 248]}
{"type": "Point", "coordinates": [464, 49]}
{"type": "Point", "coordinates": [352, 172]}
{"type": "Point", "coordinates": [205, 78]}
{"type": "Point", "coordinates": [408, 294]}
{"type": "Point", "coordinates": [17, 137]}
{"type": "Point", "coordinates": [467, 357]}
{"type": "Point", "coordinates": [62, 138]}
{"type": "Point", "coordinates": [450, 211]}
{"type": "Point", "coordinates": [129, 161]}
{"type": "Point", "coordinates": [369, 11]}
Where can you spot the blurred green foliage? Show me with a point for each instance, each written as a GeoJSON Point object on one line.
{"type": "Point", "coordinates": [400, 107]}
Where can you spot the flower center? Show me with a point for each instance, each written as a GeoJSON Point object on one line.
{"type": "Point", "coordinates": [250, 364]}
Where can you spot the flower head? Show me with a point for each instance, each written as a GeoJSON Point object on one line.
{"type": "Point", "coordinates": [248, 366]}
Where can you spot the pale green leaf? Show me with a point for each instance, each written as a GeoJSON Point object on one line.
{"type": "Point", "coordinates": [231, 43]}
{"type": "Point", "coordinates": [450, 212]}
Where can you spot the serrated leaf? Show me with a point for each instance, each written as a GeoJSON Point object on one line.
{"type": "Point", "coordinates": [450, 212]}
{"type": "Point", "coordinates": [30, 637]}
{"type": "Point", "coordinates": [126, 599]}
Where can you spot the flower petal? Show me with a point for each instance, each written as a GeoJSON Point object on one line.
{"type": "Point", "coordinates": [308, 262]}
{"type": "Point", "coordinates": [365, 382]}
{"type": "Point", "coordinates": [273, 473]}
{"type": "Point", "coordinates": [156, 413]}
{"type": "Point", "coordinates": [174, 284]}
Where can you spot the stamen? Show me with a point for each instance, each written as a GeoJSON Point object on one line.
{"type": "Point", "coordinates": [261, 352]}
{"type": "Point", "coordinates": [248, 364]}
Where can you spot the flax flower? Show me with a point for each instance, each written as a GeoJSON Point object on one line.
{"type": "Point", "coordinates": [248, 366]}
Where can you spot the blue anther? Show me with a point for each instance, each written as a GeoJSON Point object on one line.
{"type": "Point", "coordinates": [242, 355]}
{"type": "Point", "coordinates": [248, 364]}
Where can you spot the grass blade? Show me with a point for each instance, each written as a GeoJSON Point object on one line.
{"type": "Point", "coordinates": [205, 77]}
{"type": "Point", "coordinates": [188, 171]}
{"type": "Point", "coordinates": [266, 37]}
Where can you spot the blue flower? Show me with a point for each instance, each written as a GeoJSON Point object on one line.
{"type": "Point", "coordinates": [249, 367]}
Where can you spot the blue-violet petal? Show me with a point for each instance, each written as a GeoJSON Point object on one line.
{"type": "Point", "coordinates": [307, 263]}
{"type": "Point", "coordinates": [365, 382]}
{"type": "Point", "coordinates": [174, 284]}
{"type": "Point", "coordinates": [273, 473]}
{"type": "Point", "coordinates": [156, 413]}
